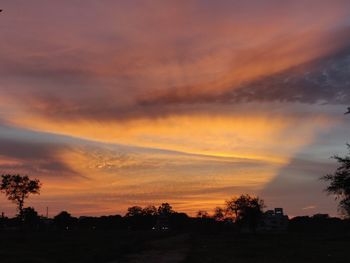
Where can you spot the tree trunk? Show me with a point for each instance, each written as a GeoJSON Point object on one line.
{"type": "Point", "coordinates": [20, 209]}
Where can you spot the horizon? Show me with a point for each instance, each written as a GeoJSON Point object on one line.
{"type": "Point", "coordinates": [113, 104]}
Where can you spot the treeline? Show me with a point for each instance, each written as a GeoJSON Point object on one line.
{"type": "Point", "coordinates": [163, 218]}
{"type": "Point", "coordinates": [318, 223]}
{"type": "Point", "coordinates": [244, 213]}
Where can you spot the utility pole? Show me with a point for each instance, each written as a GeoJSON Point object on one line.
{"type": "Point", "coordinates": [47, 212]}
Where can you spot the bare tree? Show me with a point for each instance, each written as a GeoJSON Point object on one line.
{"type": "Point", "coordinates": [17, 188]}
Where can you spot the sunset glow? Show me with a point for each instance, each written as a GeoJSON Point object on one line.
{"type": "Point", "coordinates": [117, 103]}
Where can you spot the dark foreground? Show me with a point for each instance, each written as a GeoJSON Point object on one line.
{"type": "Point", "coordinates": [152, 246]}
{"type": "Point", "coordinates": [270, 248]}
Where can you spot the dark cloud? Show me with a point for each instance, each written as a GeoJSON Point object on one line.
{"type": "Point", "coordinates": [33, 158]}
{"type": "Point", "coordinates": [325, 80]}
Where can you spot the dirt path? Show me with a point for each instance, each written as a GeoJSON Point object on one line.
{"type": "Point", "coordinates": [168, 250]}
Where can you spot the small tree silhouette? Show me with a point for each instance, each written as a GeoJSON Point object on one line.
{"type": "Point", "coordinates": [31, 218]}
{"type": "Point", "coordinates": [219, 214]}
{"type": "Point", "coordinates": [165, 209]}
{"type": "Point", "coordinates": [64, 220]}
{"type": "Point", "coordinates": [246, 209]}
{"type": "Point", "coordinates": [339, 183]}
{"type": "Point", "coordinates": [17, 188]}
{"type": "Point", "coordinates": [134, 211]}
{"type": "Point", "coordinates": [150, 210]}
{"type": "Point", "coordinates": [202, 214]}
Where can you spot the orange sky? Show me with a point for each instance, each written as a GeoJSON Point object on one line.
{"type": "Point", "coordinates": [191, 102]}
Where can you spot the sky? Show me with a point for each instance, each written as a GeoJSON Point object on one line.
{"type": "Point", "coordinates": [119, 103]}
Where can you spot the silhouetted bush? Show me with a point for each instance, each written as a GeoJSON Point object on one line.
{"type": "Point", "coordinates": [319, 223]}
{"type": "Point", "coordinates": [64, 221]}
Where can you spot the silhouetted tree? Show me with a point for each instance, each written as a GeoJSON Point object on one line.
{"type": "Point", "coordinates": [339, 183]}
{"type": "Point", "coordinates": [17, 188]}
{"type": "Point", "coordinates": [3, 220]}
{"type": "Point", "coordinates": [165, 209]}
{"type": "Point", "coordinates": [202, 214]}
{"type": "Point", "coordinates": [141, 218]}
{"type": "Point", "coordinates": [319, 223]}
{"type": "Point", "coordinates": [64, 220]}
{"type": "Point", "coordinates": [246, 210]}
{"type": "Point", "coordinates": [150, 210]}
{"type": "Point", "coordinates": [219, 214]}
{"type": "Point", "coordinates": [30, 217]}
{"type": "Point", "coordinates": [178, 220]}
{"type": "Point", "coordinates": [134, 211]}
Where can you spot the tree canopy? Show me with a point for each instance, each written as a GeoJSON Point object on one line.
{"type": "Point", "coordinates": [17, 188]}
{"type": "Point", "coordinates": [339, 182]}
{"type": "Point", "coordinates": [246, 209]}
{"type": "Point", "coordinates": [135, 211]}
{"type": "Point", "coordinates": [165, 209]}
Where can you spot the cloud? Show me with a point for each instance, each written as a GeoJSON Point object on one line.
{"type": "Point", "coordinates": [310, 207]}
{"type": "Point", "coordinates": [126, 65]}
{"type": "Point", "coordinates": [33, 158]}
{"type": "Point", "coordinates": [324, 80]}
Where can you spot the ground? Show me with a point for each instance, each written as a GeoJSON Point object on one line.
{"type": "Point", "coordinates": [296, 248]}
{"type": "Point", "coordinates": [172, 249]}
{"type": "Point", "coordinates": [153, 247]}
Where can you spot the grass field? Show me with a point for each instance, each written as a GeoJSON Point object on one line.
{"type": "Point", "coordinates": [148, 246]}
